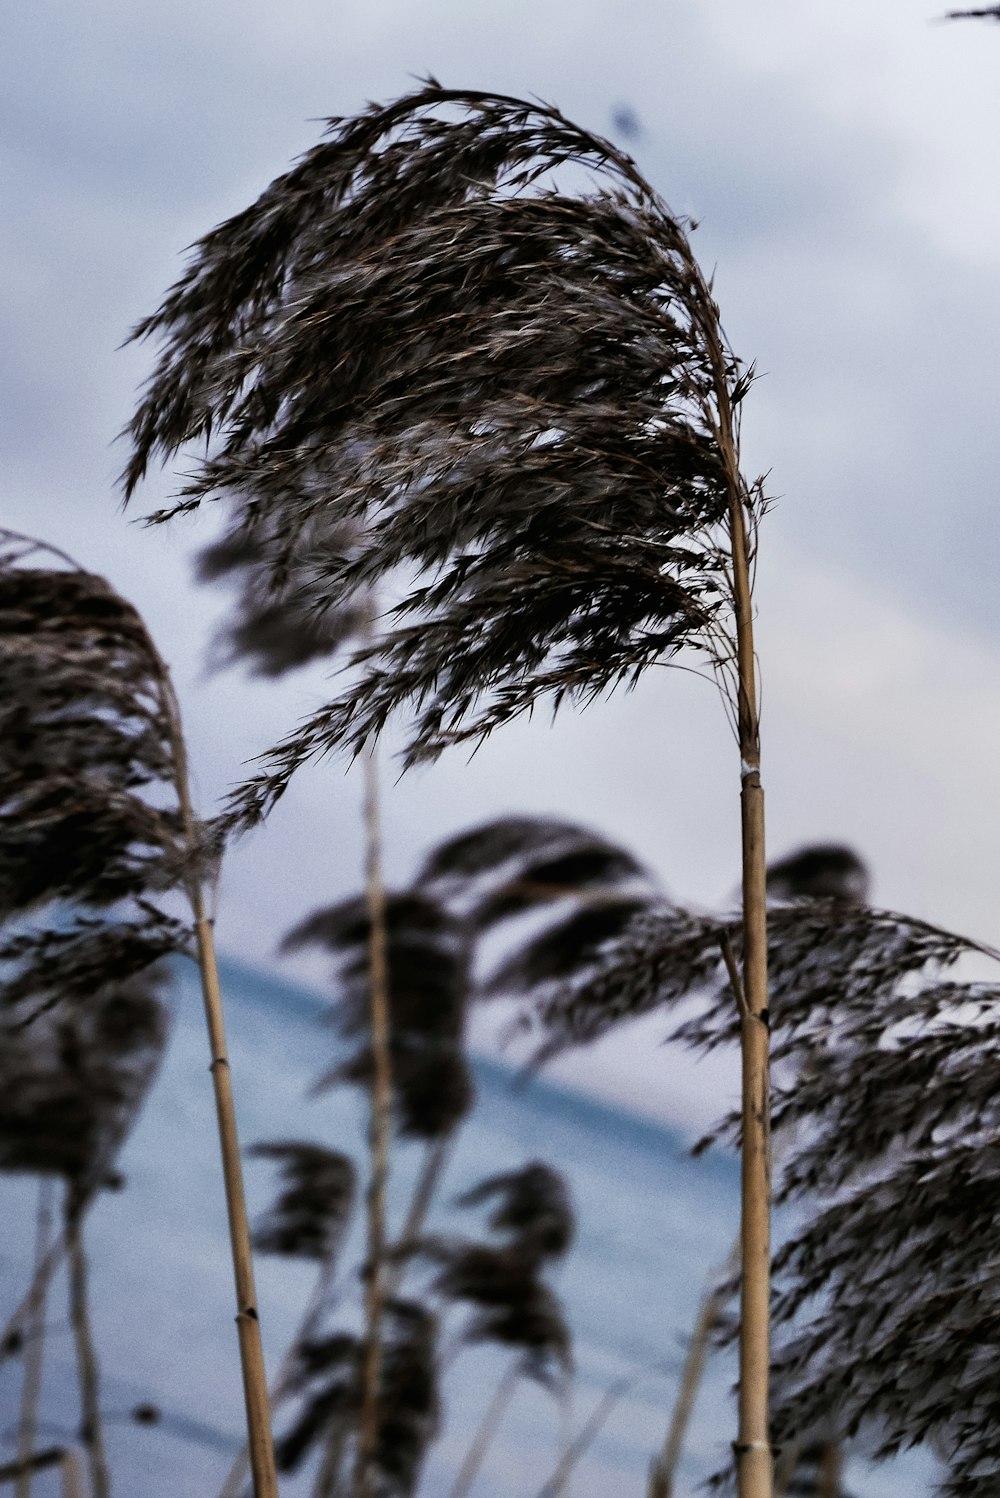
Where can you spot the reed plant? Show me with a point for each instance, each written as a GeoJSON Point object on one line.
{"type": "Point", "coordinates": [416, 955]}
{"type": "Point", "coordinates": [71, 1083]}
{"type": "Point", "coordinates": [96, 828]}
{"type": "Point", "coordinates": [512, 1305]}
{"type": "Point", "coordinates": [885, 1114]}
{"type": "Point", "coordinates": [274, 628]}
{"type": "Point", "coordinates": [497, 1285]}
{"type": "Point", "coordinates": [473, 331]}
{"type": "Point", "coordinates": [307, 1220]}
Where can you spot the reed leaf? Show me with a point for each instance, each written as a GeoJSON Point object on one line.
{"type": "Point", "coordinates": [328, 1376]}
{"type": "Point", "coordinates": [72, 1080]}
{"type": "Point", "coordinates": [274, 625]}
{"type": "Point", "coordinates": [312, 1211]}
{"type": "Point", "coordinates": [516, 865]}
{"type": "Point", "coordinates": [531, 1207]}
{"type": "Point", "coordinates": [511, 1305]}
{"type": "Point", "coordinates": [532, 1214]}
{"type": "Point", "coordinates": [428, 986]}
{"type": "Point", "coordinates": [497, 379]}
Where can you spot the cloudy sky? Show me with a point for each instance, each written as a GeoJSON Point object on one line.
{"type": "Point", "coordinates": [841, 161]}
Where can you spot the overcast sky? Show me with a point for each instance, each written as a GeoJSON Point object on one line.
{"type": "Point", "coordinates": [841, 161]}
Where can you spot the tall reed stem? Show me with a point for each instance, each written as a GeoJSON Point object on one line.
{"type": "Point", "coordinates": [754, 1462]}
{"type": "Point", "coordinates": [565, 1468]}
{"type": "Point", "coordinates": [664, 1468]}
{"type": "Point", "coordinates": [88, 1375]}
{"type": "Point", "coordinates": [10, 1336]}
{"type": "Point", "coordinates": [258, 1412]}
{"type": "Point", "coordinates": [325, 1485]}
{"type": "Point", "coordinates": [588, 1433]}
{"type": "Point", "coordinates": [71, 1478]}
{"type": "Point", "coordinates": [379, 1128]}
{"type": "Point", "coordinates": [831, 1462]}
{"type": "Point", "coordinates": [435, 1161]}
{"type": "Point", "coordinates": [34, 1343]}
{"type": "Point", "coordinates": [423, 1194]}
{"type": "Point", "coordinates": [754, 1459]}
{"type": "Point", "coordinates": [282, 1383]}
{"type": "Point", "coordinates": [495, 1410]}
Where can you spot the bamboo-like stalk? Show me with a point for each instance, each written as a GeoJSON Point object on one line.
{"type": "Point", "coordinates": [754, 1458]}
{"type": "Point", "coordinates": [754, 1463]}
{"type": "Point", "coordinates": [34, 1345]}
{"type": "Point", "coordinates": [255, 1392]}
{"type": "Point", "coordinates": [282, 1381]}
{"type": "Point", "coordinates": [265, 1484]}
{"type": "Point", "coordinates": [88, 1373]}
{"type": "Point", "coordinates": [379, 1129]}
{"type": "Point", "coordinates": [495, 1411]}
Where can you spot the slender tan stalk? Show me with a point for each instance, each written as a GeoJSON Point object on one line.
{"type": "Point", "coordinates": [88, 1374]}
{"type": "Point", "coordinates": [258, 1413]}
{"type": "Point", "coordinates": [831, 1463]}
{"type": "Point", "coordinates": [565, 1439]}
{"type": "Point", "coordinates": [13, 1332]}
{"type": "Point", "coordinates": [379, 1129]}
{"type": "Point", "coordinates": [754, 1460]}
{"type": "Point", "coordinates": [329, 1468]}
{"type": "Point", "coordinates": [423, 1194]}
{"type": "Point", "coordinates": [72, 1478]}
{"type": "Point", "coordinates": [282, 1381]}
{"type": "Point", "coordinates": [495, 1411]}
{"type": "Point", "coordinates": [589, 1432]}
{"type": "Point", "coordinates": [34, 1344]}
{"type": "Point", "coordinates": [664, 1468]}
{"type": "Point", "coordinates": [265, 1482]}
